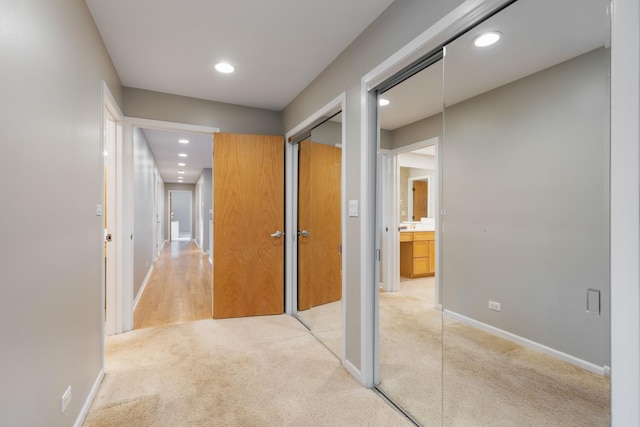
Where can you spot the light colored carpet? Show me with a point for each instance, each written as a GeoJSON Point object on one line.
{"type": "Point", "coordinates": [261, 371]}
{"type": "Point", "coordinates": [482, 379]}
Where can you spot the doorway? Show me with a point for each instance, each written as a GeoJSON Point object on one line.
{"type": "Point", "coordinates": [180, 215]}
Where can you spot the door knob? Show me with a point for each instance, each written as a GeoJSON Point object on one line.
{"type": "Point", "coordinates": [277, 234]}
{"type": "Point", "coordinates": [304, 233]}
{"type": "Point", "coordinates": [108, 237]}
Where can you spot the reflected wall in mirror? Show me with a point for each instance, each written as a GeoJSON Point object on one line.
{"type": "Point", "coordinates": [508, 335]}
{"type": "Point", "coordinates": [319, 284]}
{"type": "Point", "coordinates": [525, 185]}
{"type": "Point", "coordinates": [410, 323]}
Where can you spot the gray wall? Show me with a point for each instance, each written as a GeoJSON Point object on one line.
{"type": "Point", "coordinates": [401, 22]}
{"type": "Point", "coordinates": [53, 64]}
{"type": "Point", "coordinates": [418, 131]}
{"type": "Point", "coordinates": [328, 133]}
{"type": "Point", "coordinates": [181, 208]}
{"type": "Point", "coordinates": [526, 189]}
{"type": "Point", "coordinates": [181, 109]}
{"type": "Point", "coordinates": [144, 198]}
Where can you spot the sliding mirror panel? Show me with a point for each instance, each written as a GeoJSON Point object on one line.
{"type": "Point", "coordinates": [525, 192]}
{"type": "Point", "coordinates": [410, 321]}
{"type": "Point", "coordinates": [319, 300]}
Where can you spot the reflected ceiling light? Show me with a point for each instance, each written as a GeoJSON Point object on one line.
{"type": "Point", "coordinates": [182, 164]}
{"type": "Point", "coordinates": [487, 39]}
{"type": "Point", "coordinates": [224, 67]}
{"type": "Point", "coordinates": [383, 102]}
{"type": "Point", "coordinates": [181, 172]}
{"type": "Point", "coordinates": [183, 141]}
{"type": "Point", "coordinates": [182, 155]}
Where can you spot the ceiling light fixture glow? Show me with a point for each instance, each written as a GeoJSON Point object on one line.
{"type": "Point", "coordinates": [181, 172]}
{"type": "Point", "coordinates": [183, 141]}
{"type": "Point", "coordinates": [487, 39]}
{"type": "Point", "coordinates": [182, 155]}
{"type": "Point", "coordinates": [383, 102]}
{"type": "Point", "coordinates": [224, 67]}
{"type": "Point", "coordinates": [182, 164]}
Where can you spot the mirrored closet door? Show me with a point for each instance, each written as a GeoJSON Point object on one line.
{"type": "Point", "coordinates": [526, 231]}
{"type": "Point", "coordinates": [319, 235]}
{"type": "Point", "coordinates": [514, 329]}
{"type": "Point", "coordinates": [410, 320]}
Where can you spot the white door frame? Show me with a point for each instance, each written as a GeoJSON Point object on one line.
{"type": "Point", "coordinates": [113, 288]}
{"type": "Point", "coordinates": [127, 201]}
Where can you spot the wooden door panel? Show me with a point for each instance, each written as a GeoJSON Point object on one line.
{"type": "Point", "coordinates": [248, 194]}
{"type": "Point", "coordinates": [420, 197]}
{"type": "Point", "coordinates": [319, 261]}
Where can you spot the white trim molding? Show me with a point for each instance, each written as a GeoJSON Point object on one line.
{"type": "Point", "coordinates": [142, 288]}
{"type": "Point", "coordinates": [89, 400]}
{"type": "Point", "coordinates": [600, 370]}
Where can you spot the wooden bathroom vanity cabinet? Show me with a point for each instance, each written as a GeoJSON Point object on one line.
{"type": "Point", "coordinates": [417, 253]}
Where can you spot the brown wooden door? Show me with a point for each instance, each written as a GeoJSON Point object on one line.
{"type": "Point", "coordinates": [248, 207]}
{"type": "Point", "coordinates": [420, 197]}
{"type": "Point", "coordinates": [319, 261]}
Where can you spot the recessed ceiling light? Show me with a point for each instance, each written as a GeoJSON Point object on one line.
{"type": "Point", "coordinates": [181, 172]}
{"type": "Point", "coordinates": [487, 39]}
{"type": "Point", "coordinates": [383, 102]}
{"type": "Point", "coordinates": [183, 141]}
{"type": "Point", "coordinates": [182, 164]}
{"type": "Point", "coordinates": [182, 155]}
{"type": "Point", "coordinates": [225, 67]}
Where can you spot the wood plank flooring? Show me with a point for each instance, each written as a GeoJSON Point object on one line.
{"type": "Point", "coordinates": [179, 288]}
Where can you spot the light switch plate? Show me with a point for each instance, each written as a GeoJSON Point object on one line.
{"type": "Point", "coordinates": [353, 208]}
{"type": "Point", "coordinates": [98, 209]}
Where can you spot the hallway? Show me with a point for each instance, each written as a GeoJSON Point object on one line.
{"type": "Point", "coordinates": [179, 288]}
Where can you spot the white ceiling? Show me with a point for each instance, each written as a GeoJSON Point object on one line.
{"type": "Point", "coordinates": [536, 35]}
{"type": "Point", "coordinates": [278, 46]}
{"type": "Point", "coordinates": [165, 147]}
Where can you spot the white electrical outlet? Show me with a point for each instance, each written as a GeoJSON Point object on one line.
{"type": "Point", "coordinates": [65, 399]}
{"type": "Point", "coordinates": [495, 306]}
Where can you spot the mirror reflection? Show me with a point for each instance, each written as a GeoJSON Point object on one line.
{"type": "Point", "coordinates": [410, 321]}
{"type": "Point", "coordinates": [526, 188]}
{"type": "Point", "coordinates": [513, 326]}
{"type": "Point", "coordinates": [319, 290]}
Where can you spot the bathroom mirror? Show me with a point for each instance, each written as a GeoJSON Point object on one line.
{"type": "Point", "coordinates": [319, 285]}
{"type": "Point", "coordinates": [525, 186]}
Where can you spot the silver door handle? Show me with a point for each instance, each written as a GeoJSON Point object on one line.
{"type": "Point", "coordinates": [304, 233]}
{"type": "Point", "coordinates": [277, 234]}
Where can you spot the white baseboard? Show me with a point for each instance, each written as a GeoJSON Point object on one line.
{"type": "Point", "coordinates": [210, 259]}
{"type": "Point", "coordinates": [197, 244]}
{"type": "Point", "coordinates": [144, 285]}
{"type": "Point", "coordinates": [352, 369]}
{"type": "Point", "coordinates": [89, 401]}
{"type": "Point", "coordinates": [601, 370]}
{"type": "Point", "coordinates": [163, 242]}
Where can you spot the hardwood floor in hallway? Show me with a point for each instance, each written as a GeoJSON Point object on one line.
{"type": "Point", "coordinates": [179, 288]}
